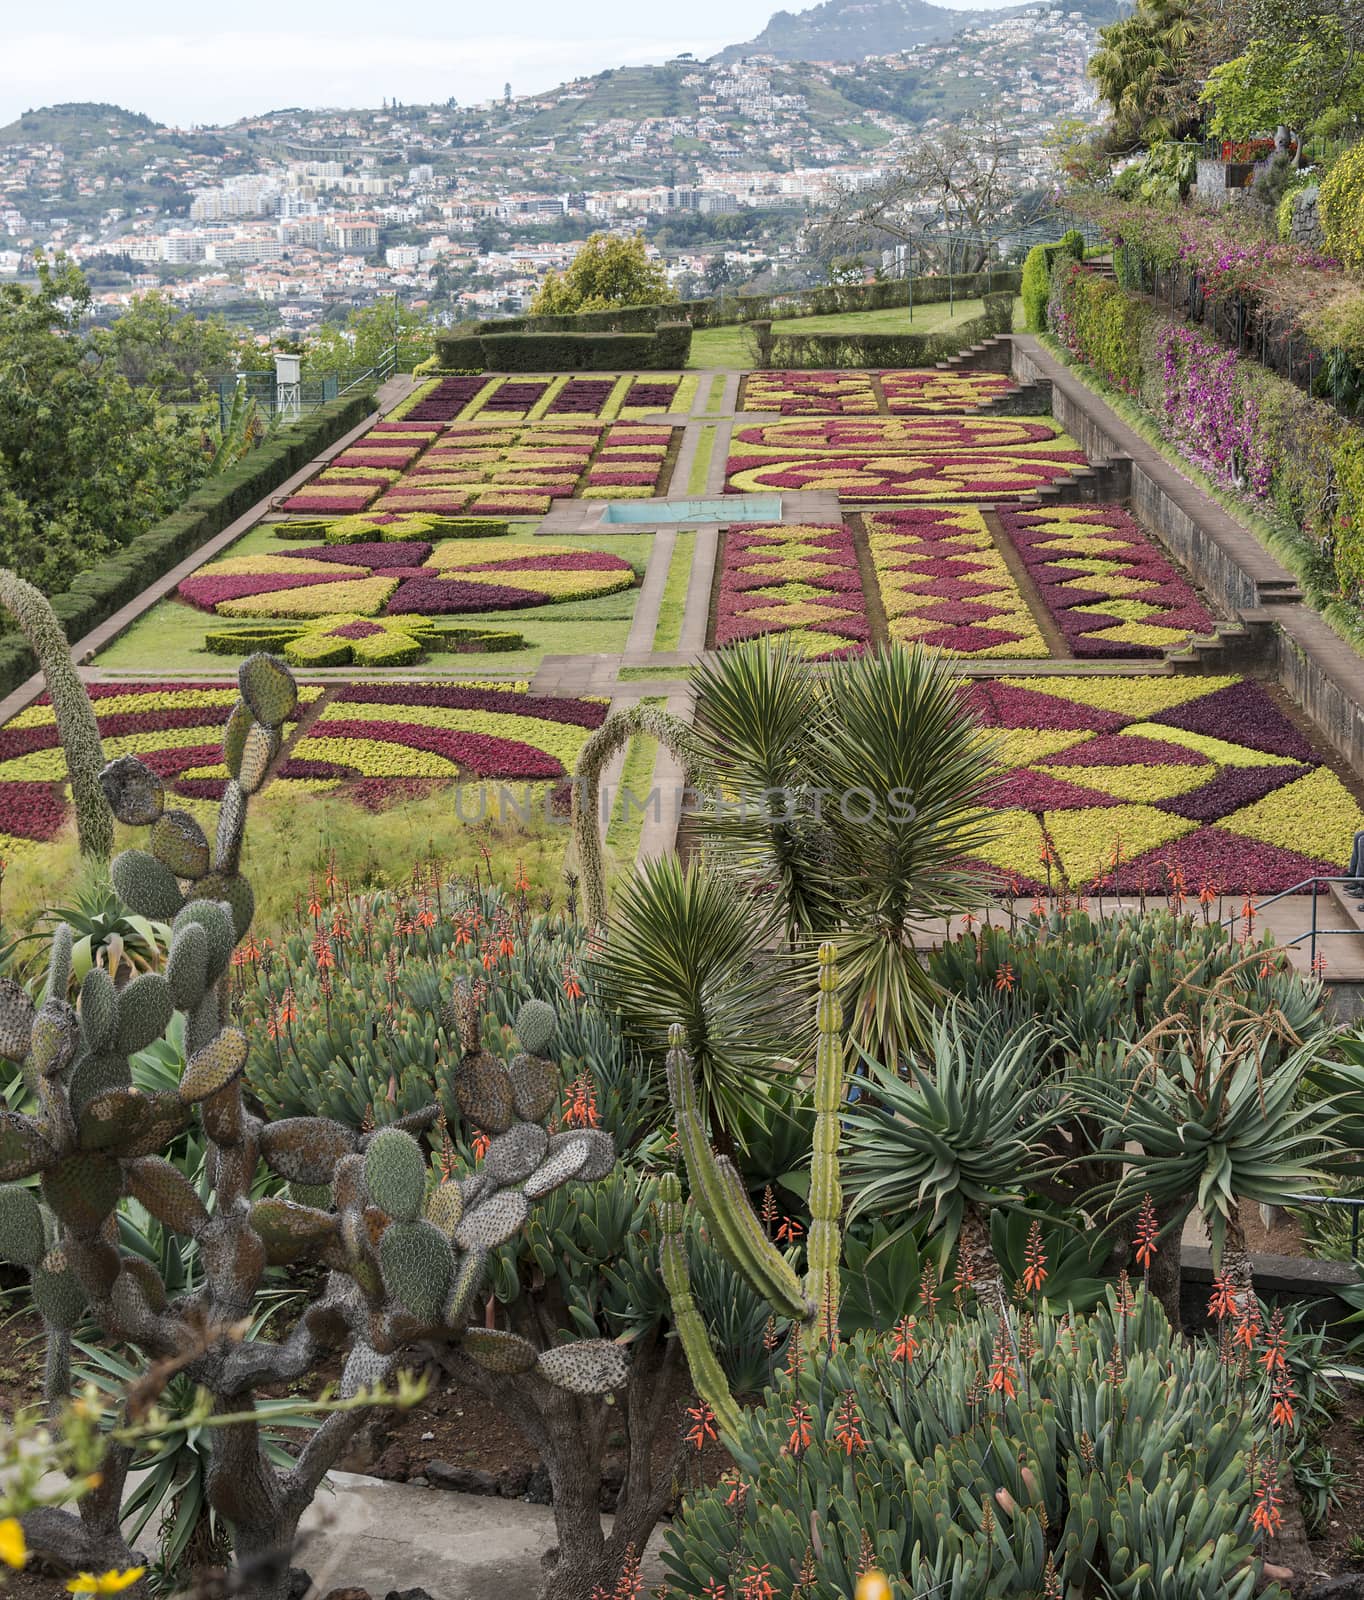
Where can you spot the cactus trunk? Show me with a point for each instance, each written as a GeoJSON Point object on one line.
{"type": "Point", "coordinates": [824, 1244]}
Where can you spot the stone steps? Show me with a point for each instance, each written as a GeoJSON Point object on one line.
{"type": "Point", "coordinates": [1243, 644]}
{"type": "Point", "coordinates": [990, 355]}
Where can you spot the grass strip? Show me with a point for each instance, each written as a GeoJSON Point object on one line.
{"type": "Point", "coordinates": [673, 606]}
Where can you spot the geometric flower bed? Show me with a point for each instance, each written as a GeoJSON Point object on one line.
{"type": "Point", "coordinates": [794, 394]}
{"type": "Point", "coordinates": [444, 730]}
{"type": "Point", "coordinates": [175, 728]}
{"type": "Point", "coordinates": [411, 578]}
{"type": "Point", "coordinates": [346, 639]}
{"type": "Point", "coordinates": [1132, 784]}
{"type": "Point", "coordinates": [625, 396]}
{"type": "Point", "coordinates": [1110, 590]}
{"type": "Point", "coordinates": [944, 583]}
{"type": "Point", "coordinates": [355, 476]}
{"type": "Point", "coordinates": [928, 391]}
{"type": "Point", "coordinates": [802, 582]}
{"type": "Point", "coordinates": [492, 468]}
{"type": "Point", "coordinates": [372, 733]}
{"type": "Point", "coordinates": [902, 458]}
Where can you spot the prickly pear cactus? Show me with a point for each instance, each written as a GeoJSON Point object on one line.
{"type": "Point", "coordinates": [407, 1257]}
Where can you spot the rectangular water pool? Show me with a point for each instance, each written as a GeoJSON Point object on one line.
{"type": "Point", "coordinates": [728, 508]}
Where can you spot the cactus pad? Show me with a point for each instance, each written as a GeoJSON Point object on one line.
{"type": "Point", "coordinates": [16, 1020]}
{"type": "Point", "coordinates": [146, 885]}
{"type": "Point", "coordinates": [148, 1281]}
{"type": "Point", "coordinates": [268, 688]}
{"type": "Point", "coordinates": [222, 1116]}
{"type": "Point", "coordinates": [57, 1292]}
{"type": "Point", "coordinates": [444, 1207]}
{"type": "Point", "coordinates": [234, 736]}
{"type": "Point", "coordinates": [23, 1150]}
{"type": "Point", "coordinates": [348, 1183]}
{"type": "Point", "coordinates": [135, 793]}
{"type": "Point", "coordinates": [483, 1092]}
{"type": "Point", "coordinates": [363, 1370]}
{"type": "Point", "coordinates": [317, 1195]}
{"type": "Point", "coordinates": [95, 1263]}
{"type": "Point", "coordinates": [236, 892]}
{"type": "Point", "coordinates": [164, 1119]}
{"type": "Point", "coordinates": [464, 1289]}
{"type": "Point", "coordinates": [536, 1025]}
{"type": "Point", "coordinates": [514, 1155]}
{"type": "Point", "coordinates": [83, 1189]}
{"type": "Point", "coordinates": [259, 749]}
{"type": "Point", "coordinates": [21, 1226]}
{"type": "Point", "coordinates": [180, 844]}
{"type": "Point", "coordinates": [560, 1166]}
{"type": "Point", "coordinates": [53, 1041]}
{"type": "Point", "coordinates": [227, 843]}
{"type": "Point", "coordinates": [214, 1067]}
{"type": "Point", "coordinates": [144, 1012]}
{"type": "Point", "coordinates": [186, 967]}
{"type": "Point", "coordinates": [593, 1366]}
{"type": "Point", "coordinates": [496, 1351]}
{"type": "Point", "coordinates": [95, 1075]}
{"type": "Point", "coordinates": [417, 1266]}
{"type": "Point", "coordinates": [395, 1174]}
{"type": "Point", "coordinates": [216, 921]}
{"type": "Point", "coordinates": [289, 1231]}
{"type": "Point", "coordinates": [305, 1150]}
{"type": "Point", "coordinates": [112, 1118]}
{"type": "Point", "coordinates": [493, 1222]}
{"type": "Point", "coordinates": [601, 1151]}
{"type": "Point", "coordinates": [535, 1086]}
{"type": "Point", "coordinates": [165, 1191]}
{"type": "Point", "coordinates": [98, 1009]}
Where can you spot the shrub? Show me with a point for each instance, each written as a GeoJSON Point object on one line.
{"type": "Point", "coordinates": [1340, 201]}
{"type": "Point", "coordinates": [794, 351]}
{"type": "Point", "coordinates": [666, 345]}
{"type": "Point", "coordinates": [1037, 269]}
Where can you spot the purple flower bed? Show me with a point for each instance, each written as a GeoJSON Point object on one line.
{"type": "Point", "coordinates": [1235, 865]}
{"type": "Point", "coordinates": [33, 810]}
{"type": "Point", "coordinates": [330, 499]}
{"type": "Point", "coordinates": [601, 479]}
{"type": "Point", "coordinates": [628, 433]}
{"type": "Point", "coordinates": [294, 767]}
{"type": "Point", "coordinates": [373, 553]}
{"type": "Point", "coordinates": [514, 397]}
{"type": "Point", "coordinates": [478, 753]}
{"type": "Point", "coordinates": [200, 788]}
{"type": "Point", "coordinates": [1075, 597]}
{"type": "Point", "coordinates": [355, 630]}
{"type": "Point", "coordinates": [754, 560]}
{"type": "Point", "coordinates": [1003, 705]}
{"type": "Point", "coordinates": [1231, 789]}
{"type": "Point", "coordinates": [1244, 714]}
{"type": "Point", "coordinates": [206, 593]}
{"type": "Point", "coordinates": [459, 697]}
{"type": "Point", "coordinates": [570, 561]}
{"type": "Point", "coordinates": [442, 597]}
{"type": "Point", "coordinates": [651, 394]}
{"type": "Point", "coordinates": [582, 396]}
{"type": "Point", "coordinates": [446, 400]}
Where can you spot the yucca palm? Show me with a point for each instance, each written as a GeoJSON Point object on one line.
{"type": "Point", "coordinates": [683, 946]}
{"type": "Point", "coordinates": [960, 1135]}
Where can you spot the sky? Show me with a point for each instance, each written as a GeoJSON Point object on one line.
{"type": "Point", "coordinates": [183, 63]}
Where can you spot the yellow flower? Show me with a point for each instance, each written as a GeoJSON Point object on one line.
{"type": "Point", "coordinates": [110, 1582]}
{"type": "Point", "coordinates": [13, 1549]}
{"type": "Point", "coordinates": [873, 1586]}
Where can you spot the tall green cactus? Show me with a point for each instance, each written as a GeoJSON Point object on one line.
{"type": "Point", "coordinates": [730, 1220]}
{"type": "Point", "coordinates": [76, 725]}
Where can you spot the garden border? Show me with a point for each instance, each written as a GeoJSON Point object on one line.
{"type": "Point", "coordinates": [1322, 674]}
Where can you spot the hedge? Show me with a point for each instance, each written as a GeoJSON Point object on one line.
{"type": "Point", "coordinates": [94, 595]}
{"type": "Point", "coordinates": [1037, 269]}
{"type": "Point", "coordinates": [1245, 427]}
{"type": "Point", "coordinates": [828, 300]}
{"type": "Point", "coordinates": [794, 351]}
{"type": "Point", "coordinates": [664, 348]}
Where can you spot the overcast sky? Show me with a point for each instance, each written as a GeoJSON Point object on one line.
{"type": "Point", "coordinates": [185, 63]}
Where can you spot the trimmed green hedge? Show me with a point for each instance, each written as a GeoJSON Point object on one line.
{"type": "Point", "coordinates": [665, 347]}
{"type": "Point", "coordinates": [829, 299]}
{"type": "Point", "coordinates": [94, 595]}
{"type": "Point", "coordinates": [1037, 269]}
{"type": "Point", "coordinates": [795, 351]}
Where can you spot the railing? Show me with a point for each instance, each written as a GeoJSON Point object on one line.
{"type": "Point", "coordinates": [1313, 932]}
{"type": "Point", "coordinates": [383, 368]}
{"type": "Point", "coordinates": [1354, 1204]}
{"type": "Point", "coordinates": [264, 389]}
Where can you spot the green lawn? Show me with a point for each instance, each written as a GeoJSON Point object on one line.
{"type": "Point", "coordinates": [169, 638]}
{"type": "Point", "coordinates": [728, 347]}
{"type": "Point", "coordinates": [668, 633]}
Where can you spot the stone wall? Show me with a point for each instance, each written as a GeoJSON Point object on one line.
{"type": "Point", "coordinates": [1306, 229]}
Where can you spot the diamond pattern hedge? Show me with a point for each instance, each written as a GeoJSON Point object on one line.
{"type": "Point", "coordinates": [799, 581]}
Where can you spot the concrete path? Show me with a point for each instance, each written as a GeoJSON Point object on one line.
{"type": "Point", "coordinates": [381, 1536]}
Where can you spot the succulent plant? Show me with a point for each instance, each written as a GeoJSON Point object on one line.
{"type": "Point", "coordinates": [394, 1273]}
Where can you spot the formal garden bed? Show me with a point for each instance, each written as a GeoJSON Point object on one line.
{"type": "Point", "coordinates": [848, 394]}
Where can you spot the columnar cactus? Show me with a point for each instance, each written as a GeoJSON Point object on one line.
{"type": "Point", "coordinates": [731, 1222]}
{"type": "Point", "coordinates": [405, 1263]}
{"type": "Point", "coordinates": [76, 725]}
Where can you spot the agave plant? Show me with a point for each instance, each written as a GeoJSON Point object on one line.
{"type": "Point", "coordinates": [1207, 1127]}
{"type": "Point", "coordinates": [105, 933]}
{"type": "Point", "coordinates": [957, 1137]}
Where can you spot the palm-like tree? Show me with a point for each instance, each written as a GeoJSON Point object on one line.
{"type": "Point", "coordinates": [1144, 69]}
{"type": "Point", "coordinates": [957, 1137]}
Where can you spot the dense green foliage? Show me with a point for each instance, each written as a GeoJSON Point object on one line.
{"type": "Point", "coordinates": [794, 350]}
{"type": "Point", "coordinates": [608, 271]}
{"type": "Point", "coordinates": [1340, 200]}
{"type": "Point", "coordinates": [1036, 284]}
{"type": "Point", "coordinates": [664, 348]}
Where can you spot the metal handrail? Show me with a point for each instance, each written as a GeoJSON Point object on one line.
{"type": "Point", "coordinates": [1313, 932]}
{"type": "Point", "coordinates": [1355, 1203]}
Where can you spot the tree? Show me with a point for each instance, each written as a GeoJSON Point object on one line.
{"type": "Point", "coordinates": [608, 271]}
{"type": "Point", "coordinates": [87, 461]}
{"type": "Point", "coordinates": [366, 338]}
{"type": "Point", "coordinates": [1304, 57]}
{"type": "Point", "coordinates": [951, 193]}
{"type": "Point", "coordinates": [155, 345]}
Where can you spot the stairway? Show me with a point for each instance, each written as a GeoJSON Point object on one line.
{"type": "Point", "coordinates": [1243, 645]}
{"type": "Point", "coordinates": [995, 354]}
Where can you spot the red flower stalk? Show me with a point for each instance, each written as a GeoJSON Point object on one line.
{"type": "Point", "coordinates": [1003, 1374]}
{"type": "Point", "coordinates": [1147, 1230]}
{"type": "Point", "coordinates": [801, 1432]}
{"type": "Point", "coordinates": [1035, 1257]}
{"type": "Point", "coordinates": [702, 1430]}
{"type": "Point", "coordinates": [848, 1426]}
{"type": "Point", "coordinates": [906, 1346]}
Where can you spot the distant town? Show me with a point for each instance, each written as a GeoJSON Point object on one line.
{"type": "Point", "coordinates": [283, 220]}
